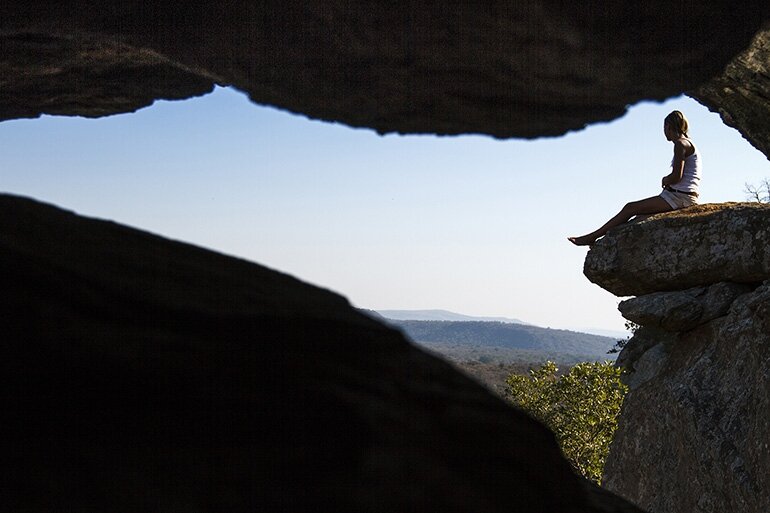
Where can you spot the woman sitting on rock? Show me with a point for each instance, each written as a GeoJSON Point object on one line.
{"type": "Point", "coordinates": [680, 187]}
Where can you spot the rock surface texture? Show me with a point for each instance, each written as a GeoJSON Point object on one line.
{"type": "Point", "coordinates": [141, 374]}
{"type": "Point", "coordinates": [700, 245]}
{"type": "Point", "coordinates": [694, 431]}
{"type": "Point", "coordinates": [524, 69]}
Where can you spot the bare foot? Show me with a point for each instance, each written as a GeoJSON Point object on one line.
{"type": "Point", "coordinates": [585, 240]}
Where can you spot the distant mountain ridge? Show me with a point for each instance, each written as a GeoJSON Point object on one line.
{"type": "Point", "coordinates": [485, 335]}
{"type": "Point", "coordinates": [446, 315]}
{"type": "Point", "coordinates": [499, 338]}
{"type": "Point", "coordinates": [441, 315]}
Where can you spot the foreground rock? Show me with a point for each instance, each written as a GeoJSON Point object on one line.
{"type": "Point", "coordinates": [525, 69]}
{"type": "Point", "coordinates": [697, 246]}
{"type": "Point", "coordinates": [141, 374]}
{"type": "Point", "coordinates": [694, 430]}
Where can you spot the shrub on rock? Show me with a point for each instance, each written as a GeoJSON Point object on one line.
{"type": "Point", "coordinates": [580, 407]}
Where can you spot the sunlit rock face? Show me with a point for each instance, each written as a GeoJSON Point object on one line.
{"type": "Point", "coordinates": [142, 374]}
{"type": "Point", "coordinates": [701, 245]}
{"type": "Point", "coordinates": [694, 430]}
{"type": "Point", "coordinates": [523, 69]}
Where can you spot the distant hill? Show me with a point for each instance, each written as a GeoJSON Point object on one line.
{"type": "Point", "coordinates": [490, 351]}
{"type": "Point", "coordinates": [476, 335]}
{"type": "Point", "coordinates": [440, 315]}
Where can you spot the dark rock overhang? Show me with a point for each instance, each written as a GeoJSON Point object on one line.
{"type": "Point", "coordinates": [507, 69]}
{"type": "Point", "coordinates": [741, 94]}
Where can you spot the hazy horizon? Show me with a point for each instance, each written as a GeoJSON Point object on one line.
{"type": "Point", "coordinates": [402, 314]}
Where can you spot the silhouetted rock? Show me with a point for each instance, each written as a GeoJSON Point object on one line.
{"type": "Point", "coordinates": [691, 247]}
{"type": "Point", "coordinates": [524, 69]}
{"type": "Point", "coordinates": [142, 374]}
{"type": "Point", "coordinates": [87, 75]}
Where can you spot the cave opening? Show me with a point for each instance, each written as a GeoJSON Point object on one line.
{"type": "Point", "coordinates": [385, 220]}
{"type": "Point", "coordinates": [154, 358]}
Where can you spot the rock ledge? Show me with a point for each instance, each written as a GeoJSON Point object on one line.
{"type": "Point", "coordinates": [692, 247]}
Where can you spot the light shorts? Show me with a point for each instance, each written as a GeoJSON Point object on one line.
{"type": "Point", "coordinates": [678, 199]}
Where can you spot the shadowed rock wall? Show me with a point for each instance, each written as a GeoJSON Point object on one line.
{"type": "Point", "coordinates": [523, 69]}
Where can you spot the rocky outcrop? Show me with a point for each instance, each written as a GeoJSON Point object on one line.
{"type": "Point", "coordinates": [697, 246]}
{"type": "Point", "coordinates": [522, 69]}
{"type": "Point", "coordinates": [694, 430]}
{"type": "Point", "coordinates": [142, 374]}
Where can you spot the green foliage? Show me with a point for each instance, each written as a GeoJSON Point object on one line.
{"type": "Point", "coordinates": [580, 407]}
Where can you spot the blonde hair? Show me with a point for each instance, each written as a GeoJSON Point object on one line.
{"type": "Point", "coordinates": [678, 122]}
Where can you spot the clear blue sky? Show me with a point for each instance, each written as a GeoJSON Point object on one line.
{"type": "Point", "coordinates": [469, 224]}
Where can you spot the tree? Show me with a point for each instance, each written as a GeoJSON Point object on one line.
{"type": "Point", "coordinates": [580, 407]}
{"type": "Point", "coordinates": [620, 344]}
{"type": "Point", "coordinates": [759, 193]}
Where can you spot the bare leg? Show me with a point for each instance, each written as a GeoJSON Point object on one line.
{"type": "Point", "coordinates": [653, 205]}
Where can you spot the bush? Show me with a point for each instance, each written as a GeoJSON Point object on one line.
{"type": "Point", "coordinates": [580, 407]}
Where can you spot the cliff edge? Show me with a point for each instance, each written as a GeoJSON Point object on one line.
{"type": "Point", "coordinates": [694, 430]}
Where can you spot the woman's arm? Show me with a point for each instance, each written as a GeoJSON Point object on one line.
{"type": "Point", "coordinates": [677, 167]}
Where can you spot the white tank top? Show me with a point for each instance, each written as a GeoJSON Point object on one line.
{"type": "Point", "coordinates": [691, 173]}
